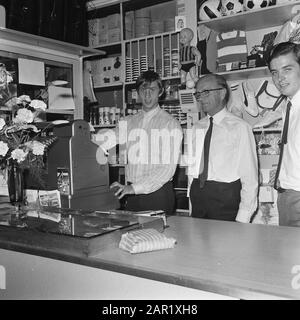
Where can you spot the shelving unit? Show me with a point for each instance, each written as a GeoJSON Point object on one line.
{"type": "Point", "coordinates": [140, 53]}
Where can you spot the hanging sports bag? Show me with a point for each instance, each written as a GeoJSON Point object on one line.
{"type": "Point", "coordinates": [268, 97]}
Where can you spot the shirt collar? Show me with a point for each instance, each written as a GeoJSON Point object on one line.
{"type": "Point", "coordinates": [150, 114]}
{"type": "Point", "coordinates": [296, 99]}
{"type": "Point", "coordinates": [219, 116]}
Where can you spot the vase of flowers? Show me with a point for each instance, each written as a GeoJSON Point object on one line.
{"type": "Point", "coordinates": [22, 145]}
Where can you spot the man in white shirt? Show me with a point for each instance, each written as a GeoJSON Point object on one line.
{"type": "Point", "coordinates": [284, 65]}
{"type": "Point", "coordinates": [224, 173]}
{"type": "Point", "coordinates": [153, 141]}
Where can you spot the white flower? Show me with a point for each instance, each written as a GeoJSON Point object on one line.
{"type": "Point", "coordinates": [3, 148]}
{"type": "Point", "coordinates": [9, 77]}
{"type": "Point", "coordinates": [37, 148]}
{"type": "Point", "coordinates": [2, 123]}
{"type": "Point", "coordinates": [19, 155]}
{"type": "Point", "coordinates": [23, 99]}
{"type": "Point", "coordinates": [38, 104]}
{"type": "Point", "coordinates": [24, 115]}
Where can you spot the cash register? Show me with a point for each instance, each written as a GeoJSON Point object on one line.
{"type": "Point", "coordinates": [71, 168]}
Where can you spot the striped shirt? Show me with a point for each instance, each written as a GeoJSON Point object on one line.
{"type": "Point", "coordinates": [187, 54]}
{"type": "Point", "coordinates": [232, 46]}
{"type": "Point", "coordinates": [153, 142]}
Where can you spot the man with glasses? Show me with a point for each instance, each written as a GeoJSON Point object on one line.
{"type": "Point", "coordinates": [224, 170]}
{"type": "Point", "coordinates": [153, 141]}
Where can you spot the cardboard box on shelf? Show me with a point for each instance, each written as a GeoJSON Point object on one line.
{"type": "Point", "coordinates": [102, 25]}
{"type": "Point", "coordinates": [114, 35]}
{"type": "Point", "coordinates": [113, 21]}
{"type": "Point", "coordinates": [103, 38]}
{"type": "Point", "coordinates": [93, 32]}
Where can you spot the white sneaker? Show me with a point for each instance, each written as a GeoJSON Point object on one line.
{"type": "Point", "coordinates": [250, 103]}
{"type": "Point", "coordinates": [235, 104]}
{"type": "Point", "coordinates": [269, 117]}
{"type": "Point", "coordinates": [242, 98]}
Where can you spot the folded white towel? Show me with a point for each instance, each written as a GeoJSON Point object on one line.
{"type": "Point", "coordinates": [144, 240]}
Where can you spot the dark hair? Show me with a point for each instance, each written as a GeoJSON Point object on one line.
{"type": "Point", "coordinates": [282, 49]}
{"type": "Point", "coordinates": [221, 81]}
{"type": "Point", "coordinates": [148, 77]}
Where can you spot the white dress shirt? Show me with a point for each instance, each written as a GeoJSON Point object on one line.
{"type": "Point", "coordinates": [232, 156]}
{"type": "Point", "coordinates": [153, 143]}
{"type": "Point", "coordinates": [289, 175]}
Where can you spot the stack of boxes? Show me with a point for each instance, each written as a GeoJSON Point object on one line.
{"type": "Point", "coordinates": [104, 30]}
{"type": "Point", "coordinates": [140, 23]}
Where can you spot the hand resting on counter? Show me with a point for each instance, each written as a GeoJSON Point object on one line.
{"type": "Point", "coordinates": [121, 190]}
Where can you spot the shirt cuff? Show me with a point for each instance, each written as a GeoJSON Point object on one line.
{"type": "Point", "coordinates": [138, 189]}
{"type": "Point", "coordinates": [243, 216]}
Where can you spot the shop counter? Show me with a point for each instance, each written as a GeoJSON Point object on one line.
{"type": "Point", "coordinates": [211, 260]}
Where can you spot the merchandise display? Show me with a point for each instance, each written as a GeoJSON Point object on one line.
{"type": "Point", "coordinates": [210, 9]}
{"type": "Point", "coordinates": [231, 7]}
{"type": "Point", "coordinates": [231, 50]}
{"type": "Point", "coordinates": [255, 4]}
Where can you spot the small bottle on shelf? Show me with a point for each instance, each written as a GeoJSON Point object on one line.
{"type": "Point", "coordinates": [106, 116]}
{"type": "Point", "coordinates": [96, 115]}
{"type": "Point", "coordinates": [117, 115]}
{"type": "Point", "coordinates": [113, 115]}
{"type": "Point", "coordinates": [101, 119]}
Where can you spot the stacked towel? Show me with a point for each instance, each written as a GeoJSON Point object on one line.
{"type": "Point", "coordinates": [145, 240]}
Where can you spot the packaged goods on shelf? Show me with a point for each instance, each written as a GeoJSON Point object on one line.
{"type": "Point", "coordinates": [231, 50]}
{"type": "Point", "coordinates": [102, 38]}
{"type": "Point", "coordinates": [169, 25]}
{"type": "Point", "coordinates": [180, 7]}
{"type": "Point", "coordinates": [156, 27]}
{"type": "Point", "coordinates": [128, 69]}
{"type": "Point", "coordinates": [129, 25]}
{"type": "Point", "coordinates": [113, 21]}
{"type": "Point", "coordinates": [142, 18]}
{"type": "Point", "coordinates": [93, 32]}
{"type": "Point", "coordinates": [103, 24]}
{"type": "Point", "coordinates": [97, 31]}
{"type": "Point", "coordinates": [113, 35]}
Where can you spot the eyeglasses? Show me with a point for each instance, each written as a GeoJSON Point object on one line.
{"type": "Point", "coordinates": [204, 93]}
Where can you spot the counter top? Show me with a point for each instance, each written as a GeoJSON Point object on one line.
{"type": "Point", "coordinates": [243, 261]}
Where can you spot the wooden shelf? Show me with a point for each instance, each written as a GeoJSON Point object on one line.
{"type": "Point", "coordinates": [97, 126]}
{"type": "Point", "coordinates": [151, 36]}
{"type": "Point", "coordinates": [243, 74]}
{"type": "Point", "coordinates": [112, 44]}
{"type": "Point", "coordinates": [253, 20]}
{"type": "Point", "coordinates": [274, 129]}
{"type": "Point", "coordinates": [162, 78]}
{"type": "Point", "coordinates": [60, 111]}
{"type": "Point", "coordinates": [109, 85]}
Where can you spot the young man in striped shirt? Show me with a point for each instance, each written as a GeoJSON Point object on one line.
{"type": "Point", "coordinates": [153, 141]}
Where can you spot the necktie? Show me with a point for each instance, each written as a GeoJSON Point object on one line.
{"type": "Point", "coordinates": [282, 143]}
{"type": "Point", "coordinates": [204, 173]}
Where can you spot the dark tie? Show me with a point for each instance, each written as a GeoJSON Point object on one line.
{"type": "Point", "coordinates": [282, 143]}
{"type": "Point", "coordinates": [204, 173]}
